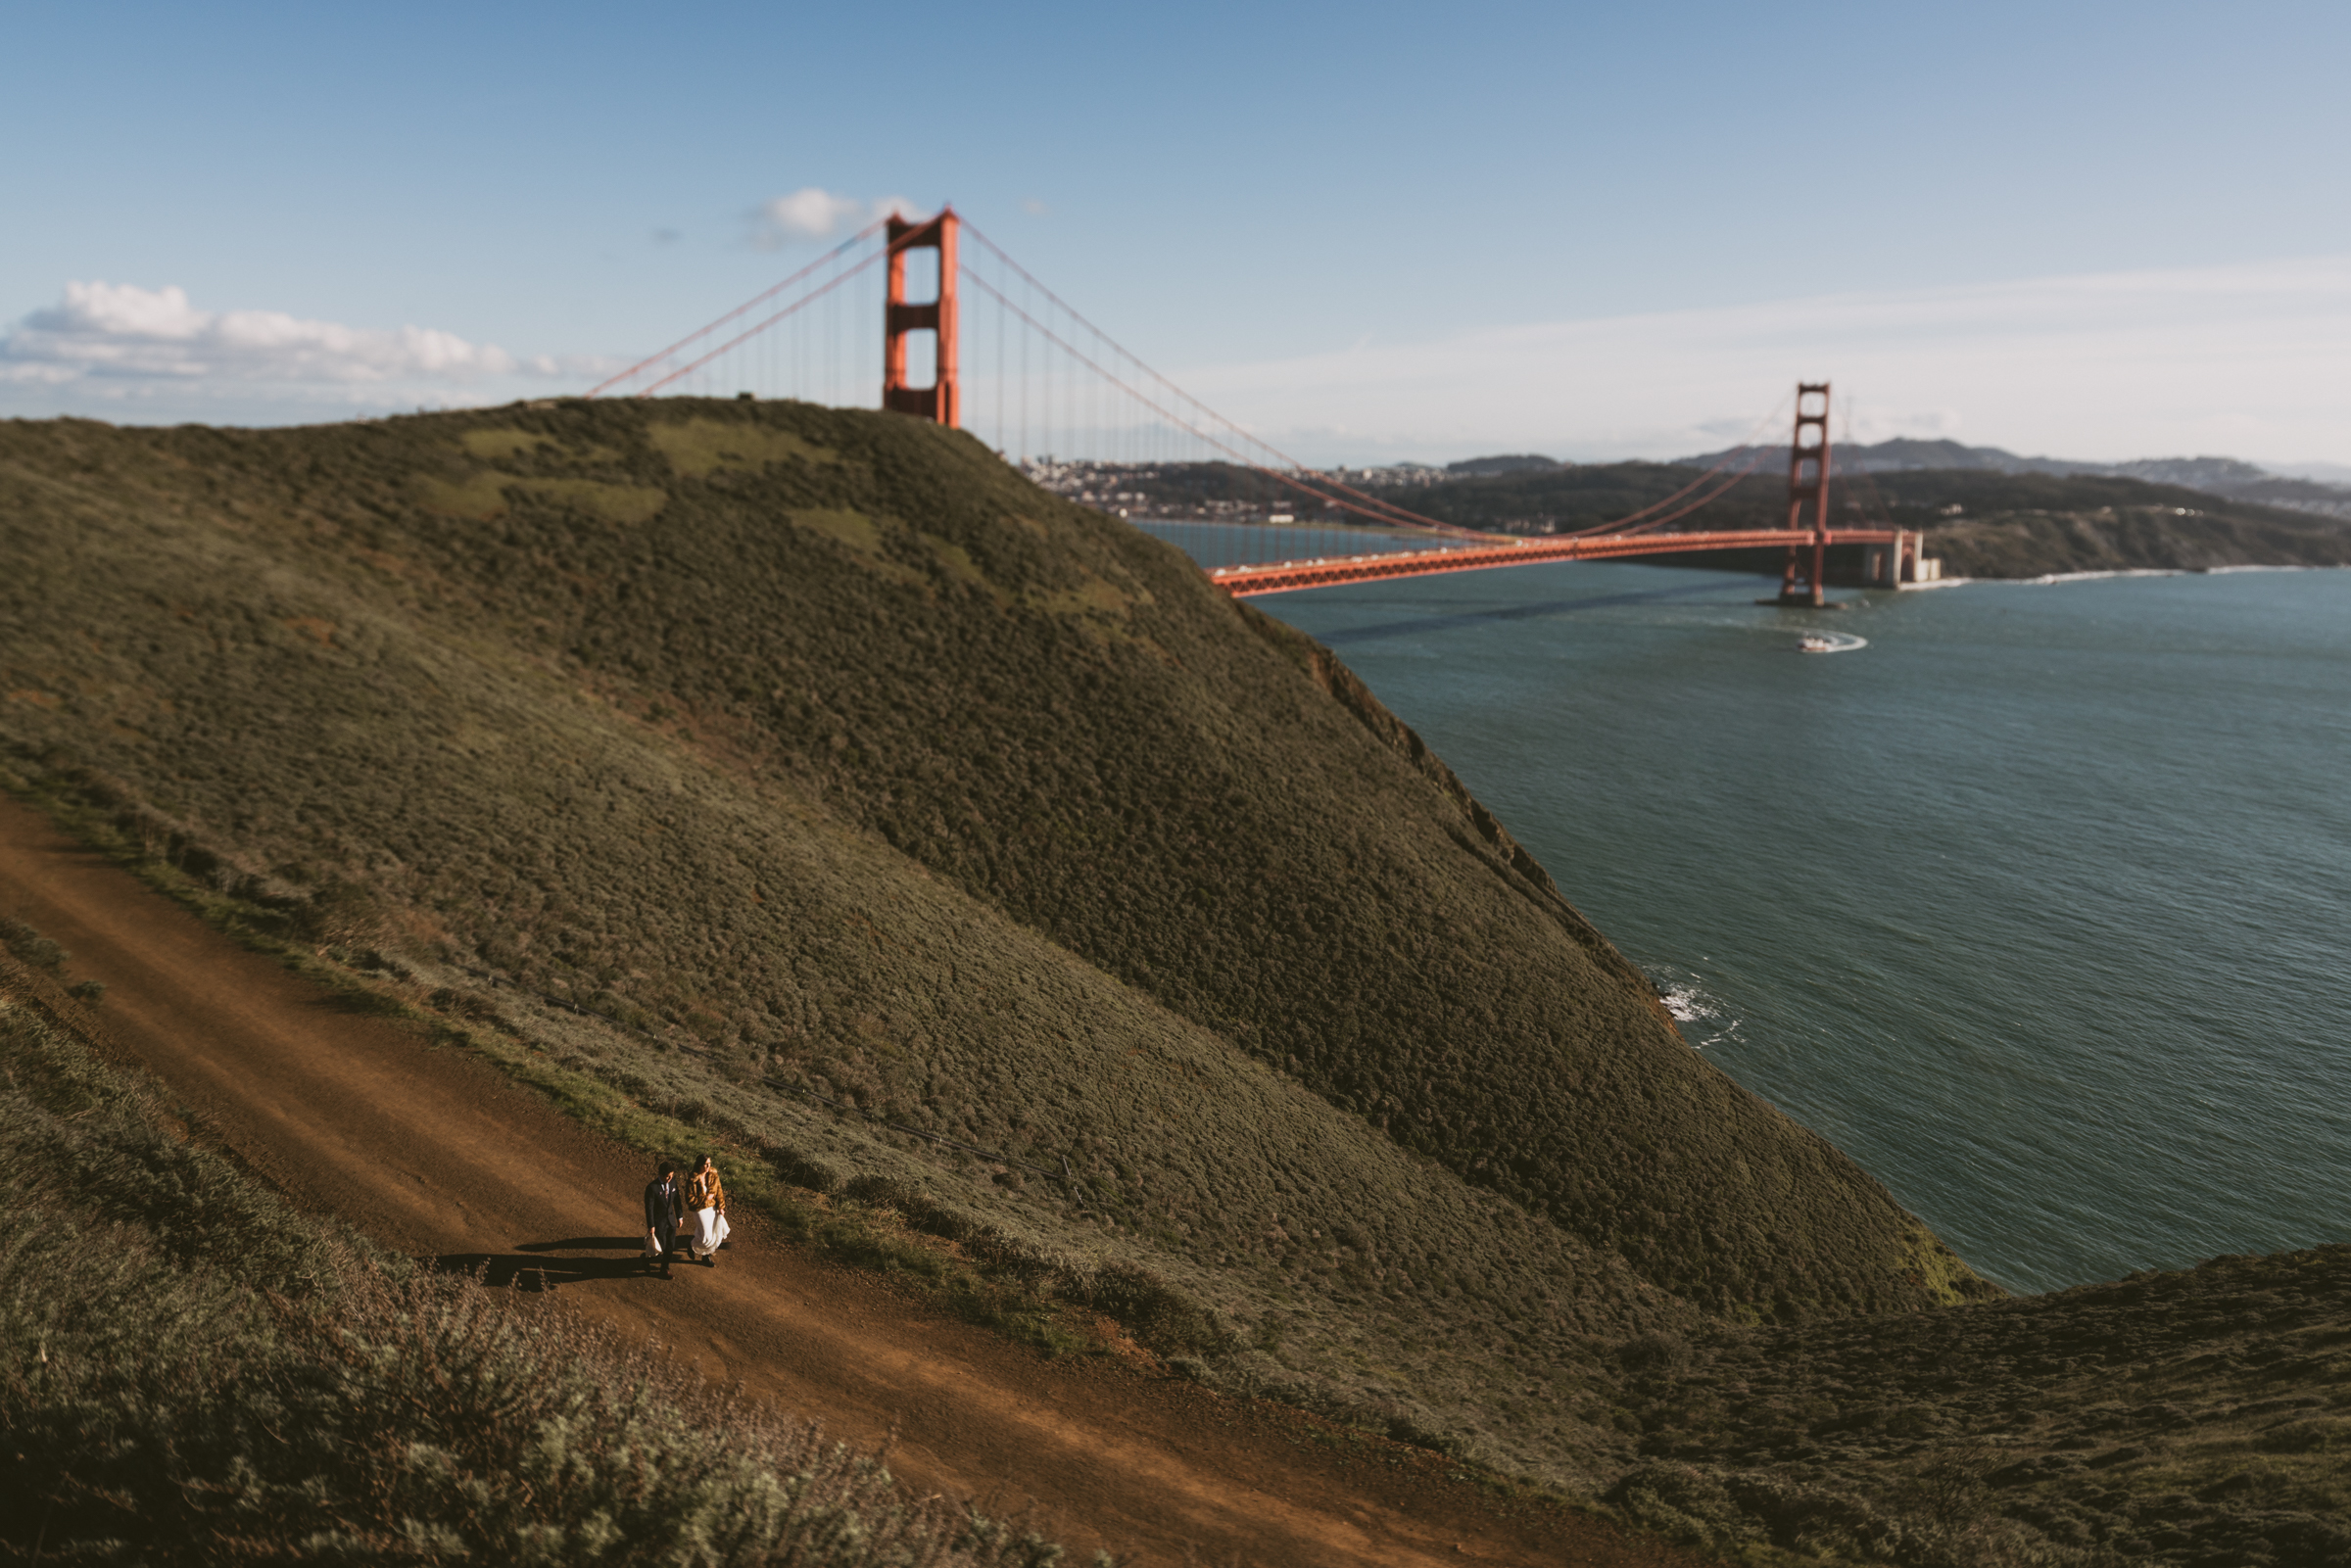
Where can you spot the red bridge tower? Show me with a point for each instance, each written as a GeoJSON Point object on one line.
{"type": "Point", "coordinates": [1808, 481]}
{"type": "Point", "coordinates": [939, 401]}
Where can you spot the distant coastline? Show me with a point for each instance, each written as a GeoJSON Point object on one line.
{"type": "Point", "coordinates": [1981, 521]}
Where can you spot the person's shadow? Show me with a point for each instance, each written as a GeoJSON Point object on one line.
{"type": "Point", "coordinates": [529, 1267]}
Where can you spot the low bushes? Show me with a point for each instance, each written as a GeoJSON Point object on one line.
{"type": "Point", "coordinates": [192, 1372]}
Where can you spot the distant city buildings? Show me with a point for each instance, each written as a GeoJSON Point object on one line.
{"type": "Point", "coordinates": [1215, 493]}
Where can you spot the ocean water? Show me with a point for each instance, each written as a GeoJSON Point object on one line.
{"type": "Point", "coordinates": [2034, 899]}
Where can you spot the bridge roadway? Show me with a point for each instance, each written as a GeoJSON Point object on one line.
{"type": "Point", "coordinates": [1282, 577]}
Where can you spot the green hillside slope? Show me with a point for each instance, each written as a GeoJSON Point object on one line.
{"type": "Point", "coordinates": [213, 1376]}
{"type": "Point", "coordinates": [737, 754]}
{"type": "Point", "coordinates": [722, 750]}
{"type": "Point", "coordinates": [513, 674]}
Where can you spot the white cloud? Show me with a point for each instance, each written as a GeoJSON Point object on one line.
{"type": "Point", "coordinates": [2242, 359]}
{"type": "Point", "coordinates": [119, 335]}
{"type": "Point", "coordinates": [812, 212]}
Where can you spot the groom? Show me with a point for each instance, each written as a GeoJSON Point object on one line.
{"type": "Point", "coordinates": [664, 1206]}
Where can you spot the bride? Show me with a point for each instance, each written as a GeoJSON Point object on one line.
{"type": "Point", "coordinates": [707, 1211]}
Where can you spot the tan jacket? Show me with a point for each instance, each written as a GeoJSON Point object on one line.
{"type": "Point", "coordinates": [706, 1192]}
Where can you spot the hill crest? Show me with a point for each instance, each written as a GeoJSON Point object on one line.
{"type": "Point", "coordinates": [822, 744]}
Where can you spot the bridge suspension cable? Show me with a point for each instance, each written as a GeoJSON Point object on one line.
{"type": "Point", "coordinates": [666, 356]}
{"type": "Point", "coordinates": [975, 340]}
{"type": "Point", "coordinates": [1320, 486]}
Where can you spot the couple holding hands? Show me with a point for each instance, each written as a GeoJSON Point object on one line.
{"type": "Point", "coordinates": [698, 1202]}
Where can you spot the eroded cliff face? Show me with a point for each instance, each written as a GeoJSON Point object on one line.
{"type": "Point", "coordinates": [718, 624]}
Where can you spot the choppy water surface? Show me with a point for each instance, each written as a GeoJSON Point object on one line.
{"type": "Point", "coordinates": [2036, 904]}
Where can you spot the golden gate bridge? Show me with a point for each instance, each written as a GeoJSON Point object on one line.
{"type": "Point", "coordinates": [1023, 370]}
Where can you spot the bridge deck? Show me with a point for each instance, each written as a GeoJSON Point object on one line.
{"type": "Point", "coordinates": [1282, 577]}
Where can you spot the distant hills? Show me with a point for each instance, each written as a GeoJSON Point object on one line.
{"type": "Point", "coordinates": [1985, 512]}
{"type": "Point", "coordinates": [2316, 487]}
{"type": "Point", "coordinates": [2305, 489]}
{"type": "Point", "coordinates": [2324, 473]}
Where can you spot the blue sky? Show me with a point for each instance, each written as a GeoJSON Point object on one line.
{"type": "Point", "coordinates": [1642, 221]}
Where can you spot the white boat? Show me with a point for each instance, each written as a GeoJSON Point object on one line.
{"type": "Point", "coordinates": [1814, 642]}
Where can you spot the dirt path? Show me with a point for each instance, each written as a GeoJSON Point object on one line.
{"type": "Point", "coordinates": [438, 1155]}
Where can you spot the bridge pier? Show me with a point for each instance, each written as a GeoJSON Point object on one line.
{"type": "Point", "coordinates": [1902, 563]}
{"type": "Point", "coordinates": [1804, 582]}
{"type": "Point", "coordinates": [1884, 563]}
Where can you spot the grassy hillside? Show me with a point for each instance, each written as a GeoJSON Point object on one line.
{"type": "Point", "coordinates": [741, 754]}
{"type": "Point", "coordinates": [586, 696]}
{"type": "Point", "coordinates": [728, 756]}
{"type": "Point", "coordinates": [2195, 1418]}
{"type": "Point", "coordinates": [202, 1375]}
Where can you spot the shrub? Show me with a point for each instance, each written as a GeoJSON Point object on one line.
{"type": "Point", "coordinates": [31, 946]}
{"type": "Point", "coordinates": [199, 1373]}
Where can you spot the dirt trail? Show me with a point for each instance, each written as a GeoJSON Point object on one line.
{"type": "Point", "coordinates": [438, 1155]}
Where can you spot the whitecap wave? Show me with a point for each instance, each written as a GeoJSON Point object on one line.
{"type": "Point", "coordinates": [1700, 1015]}
{"type": "Point", "coordinates": [1687, 1006]}
{"type": "Point", "coordinates": [2046, 579]}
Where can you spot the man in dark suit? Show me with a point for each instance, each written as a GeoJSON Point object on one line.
{"type": "Point", "coordinates": [664, 1206]}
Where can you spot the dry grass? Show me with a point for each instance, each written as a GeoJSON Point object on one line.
{"type": "Point", "coordinates": [981, 790]}
{"type": "Point", "coordinates": [196, 1373]}
{"type": "Point", "coordinates": [859, 768]}
{"type": "Point", "coordinates": [2201, 1416]}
